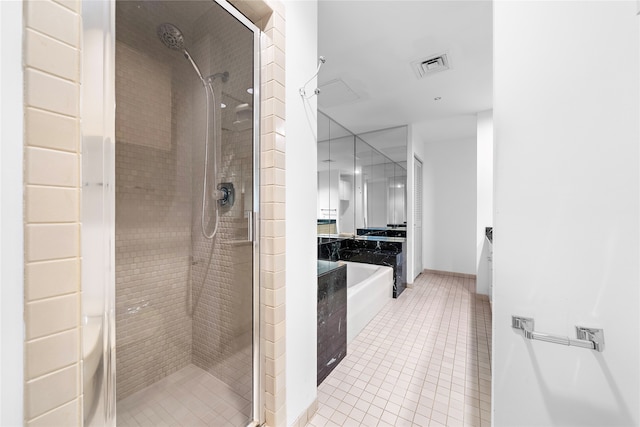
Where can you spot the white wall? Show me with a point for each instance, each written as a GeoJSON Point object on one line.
{"type": "Point", "coordinates": [567, 244]}
{"type": "Point", "coordinates": [450, 206]}
{"type": "Point", "coordinates": [484, 200]}
{"type": "Point", "coordinates": [301, 182]}
{"type": "Point", "coordinates": [11, 240]}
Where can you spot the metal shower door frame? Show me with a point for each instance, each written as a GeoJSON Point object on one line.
{"type": "Point", "coordinates": [258, 366]}
{"type": "Point", "coordinates": [98, 173]}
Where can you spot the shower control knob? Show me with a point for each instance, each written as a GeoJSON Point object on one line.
{"type": "Point", "coordinates": [219, 194]}
{"type": "Point", "coordinates": [222, 194]}
{"type": "Point", "coordinates": [225, 195]}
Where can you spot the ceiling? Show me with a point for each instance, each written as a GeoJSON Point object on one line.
{"type": "Point", "coordinates": [368, 82]}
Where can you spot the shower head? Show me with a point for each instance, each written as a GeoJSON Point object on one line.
{"type": "Point", "coordinates": [171, 36]}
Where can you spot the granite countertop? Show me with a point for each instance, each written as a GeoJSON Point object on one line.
{"type": "Point", "coordinates": [381, 239]}
{"type": "Point", "coordinates": [327, 266]}
{"type": "Point", "coordinates": [369, 238]}
{"type": "Point", "coordinates": [384, 228]}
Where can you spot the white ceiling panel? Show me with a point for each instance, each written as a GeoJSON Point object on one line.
{"type": "Point", "coordinates": [370, 47]}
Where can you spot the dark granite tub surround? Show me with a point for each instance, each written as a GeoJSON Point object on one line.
{"type": "Point", "coordinates": [387, 251]}
{"type": "Point", "coordinates": [377, 250]}
{"type": "Point", "coordinates": [332, 316]}
{"type": "Point", "coordinates": [382, 231]}
{"type": "Point", "coordinates": [329, 248]}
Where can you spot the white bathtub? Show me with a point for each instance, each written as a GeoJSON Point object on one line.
{"type": "Point", "coordinates": [369, 288]}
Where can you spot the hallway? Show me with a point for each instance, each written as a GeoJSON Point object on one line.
{"type": "Point", "coordinates": [425, 360]}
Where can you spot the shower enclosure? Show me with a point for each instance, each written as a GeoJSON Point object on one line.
{"type": "Point", "coordinates": [180, 328]}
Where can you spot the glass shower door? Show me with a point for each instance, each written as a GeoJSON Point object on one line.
{"type": "Point", "coordinates": [183, 308]}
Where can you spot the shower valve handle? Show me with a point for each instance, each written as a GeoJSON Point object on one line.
{"type": "Point", "coordinates": [222, 194]}
{"type": "Point", "coordinates": [225, 194]}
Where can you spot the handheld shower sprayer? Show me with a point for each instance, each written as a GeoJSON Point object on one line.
{"type": "Point", "coordinates": [173, 38]}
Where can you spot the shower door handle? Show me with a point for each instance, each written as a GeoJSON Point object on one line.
{"type": "Point", "coordinates": [249, 215]}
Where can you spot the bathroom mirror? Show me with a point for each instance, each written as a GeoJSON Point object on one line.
{"type": "Point", "coordinates": [361, 178]}
{"type": "Point", "coordinates": [335, 177]}
{"type": "Point", "coordinates": [397, 215]}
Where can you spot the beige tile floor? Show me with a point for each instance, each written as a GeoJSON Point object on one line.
{"type": "Point", "coordinates": [190, 397]}
{"type": "Point", "coordinates": [423, 361]}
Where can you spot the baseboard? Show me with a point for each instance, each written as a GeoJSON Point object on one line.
{"type": "Point", "coordinates": [450, 273]}
{"type": "Point", "coordinates": [306, 415]}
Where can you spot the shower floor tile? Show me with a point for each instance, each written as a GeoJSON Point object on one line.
{"type": "Point", "coordinates": [189, 397]}
{"type": "Point", "coordinates": [424, 360]}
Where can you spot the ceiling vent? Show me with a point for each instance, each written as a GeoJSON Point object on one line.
{"type": "Point", "coordinates": [430, 65]}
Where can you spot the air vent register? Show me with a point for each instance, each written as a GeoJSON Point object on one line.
{"type": "Point", "coordinates": [430, 65]}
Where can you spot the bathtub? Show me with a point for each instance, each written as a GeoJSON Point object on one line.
{"type": "Point", "coordinates": [369, 288]}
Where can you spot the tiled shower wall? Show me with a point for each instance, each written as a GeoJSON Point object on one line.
{"type": "Point", "coordinates": [222, 299]}
{"type": "Point", "coordinates": [153, 210]}
{"type": "Point", "coordinates": [52, 213]}
{"type": "Point", "coordinates": [272, 210]}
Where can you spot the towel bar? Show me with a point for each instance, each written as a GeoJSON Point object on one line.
{"type": "Point", "coordinates": [587, 337]}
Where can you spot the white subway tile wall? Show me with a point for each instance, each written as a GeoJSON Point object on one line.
{"type": "Point", "coordinates": [52, 390]}
{"type": "Point", "coordinates": [49, 92]}
{"type": "Point", "coordinates": [51, 56]}
{"type": "Point", "coordinates": [50, 130]}
{"type": "Point", "coordinates": [39, 274]}
{"type": "Point", "coordinates": [52, 213]}
{"type": "Point", "coordinates": [272, 208]}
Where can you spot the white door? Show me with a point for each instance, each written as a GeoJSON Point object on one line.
{"type": "Point", "coordinates": [567, 233]}
{"type": "Point", "coordinates": [417, 216]}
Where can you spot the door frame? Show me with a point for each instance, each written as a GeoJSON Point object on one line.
{"type": "Point", "coordinates": [418, 266]}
